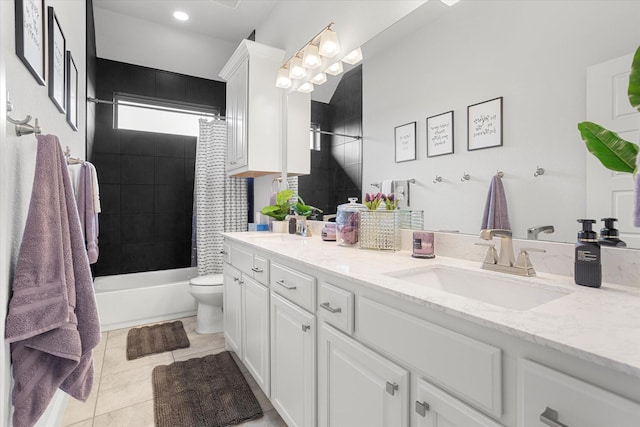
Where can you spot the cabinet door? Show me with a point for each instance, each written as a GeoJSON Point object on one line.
{"type": "Point", "coordinates": [255, 331]}
{"type": "Point", "coordinates": [435, 408]}
{"type": "Point", "coordinates": [358, 387]}
{"type": "Point", "coordinates": [232, 309]}
{"type": "Point", "coordinates": [293, 362]}
{"type": "Point", "coordinates": [241, 94]}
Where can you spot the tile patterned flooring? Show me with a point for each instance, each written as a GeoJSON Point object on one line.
{"type": "Point", "coordinates": [122, 394]}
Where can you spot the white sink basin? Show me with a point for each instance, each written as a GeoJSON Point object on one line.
{"type": "Point", "coordinates": [502, 290]}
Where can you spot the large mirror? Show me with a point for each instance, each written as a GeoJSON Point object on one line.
{"type": "Point", "coordinates": [535, 55]}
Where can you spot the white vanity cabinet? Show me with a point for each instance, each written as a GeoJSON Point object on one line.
{"type": "Point", "coordinates": [549, 397]}
{"type": "Point", "coordinates": [356, 386]}
{"type": "Point", "coordinates": [293, 362]}
{"type": "Point", "coordinates": [260, 116]}
{"type": "Point", "coordinates": [246, 311]}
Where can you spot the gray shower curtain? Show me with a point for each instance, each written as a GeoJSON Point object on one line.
{"type": "Point", "coordinates": [220, 201]}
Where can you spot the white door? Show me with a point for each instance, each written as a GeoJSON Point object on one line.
{"type": "Point", "coordinates": [358, 387]}
{"type": "Point", "coordinates": [435, 408]}
{"type": "Point", "coordinates": [293, 362]}
{"type": "Point", "coordinates": [232, 309]}
{"type": "Point", "coordinates": [255, 332]}
{"type": "Point", "coordinates": [610, 194]}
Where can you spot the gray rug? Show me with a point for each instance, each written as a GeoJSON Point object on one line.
{"type": "Point", "coordinates": [156, 339]}
{"type": "Point", "coordinates": [209, 391]}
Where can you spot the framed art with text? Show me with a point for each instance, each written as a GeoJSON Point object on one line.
{"type": "Point", "coordinates": [72, 92]}
{"type": "Point", "coordinates": [30, 36]}
{"type": "Point", "coordinates": [405, 141]}
{"type": "Point", "coordinates": [484, 124]}
{"type": "Point", "coordinates": [440, 134]}
{"type": "Point", "coordinates": [57, 50]}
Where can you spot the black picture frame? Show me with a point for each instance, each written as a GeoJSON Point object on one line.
{"type": "Point", "coordinates": [405, 142]}
{"type": "Point", "coordinates": [484, 124]}
{"type": "Point", "coordinates": [72, 92]}
{"type": "Point", "coordinates": [440, 136]}
{"type": "Point", "coordinates": [29, 23]}
{"type": "Point", "coordinates": [57, 45]}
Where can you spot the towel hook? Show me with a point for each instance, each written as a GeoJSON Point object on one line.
{"type": "Point", "coordinates": [437, 179]}
{"type": "Point", "coordinates": [539, 171]}
{"type": "Point", "coordinates": [22, 126]}
{"type": "Point", "coordinates": [500, 174]}
{"type": "Point", "coordinates": [465, 177]}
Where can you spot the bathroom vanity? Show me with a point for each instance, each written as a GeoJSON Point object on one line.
{"type": "Point", "coordinates": [339, 336]}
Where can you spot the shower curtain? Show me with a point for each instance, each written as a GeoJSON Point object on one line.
{"type": "Point", "coordinates": [220, 201]}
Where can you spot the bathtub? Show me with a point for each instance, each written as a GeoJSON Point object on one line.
{"type": "Point", "coordinates": [126, 300]}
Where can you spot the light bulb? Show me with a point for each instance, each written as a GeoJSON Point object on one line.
{"type": "Point", "coordinates": [180, 16]}
{"type": "Point", "coordinates": [329, 45]}
{"type": "Point", "coordinates": [335, 69]}
{"type": "Point", "coordinates": [310, 57]}
{"type": "Point", "coordinates": [353, 57]}
{"type": "Point", "coordinates": [283, 81]}
{"type": "Point", "coordinates": [296, 70]}
{"type": "Point", "coordinates": [319, 78]}
{"type": "Point", "coordinates": [306, 88]}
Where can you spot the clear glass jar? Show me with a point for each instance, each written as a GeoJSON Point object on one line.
{"type": "Point", "coordinates": [347, 221]}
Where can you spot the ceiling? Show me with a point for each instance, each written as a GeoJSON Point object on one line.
{"type": "Point", "coordinates": [229, 20]}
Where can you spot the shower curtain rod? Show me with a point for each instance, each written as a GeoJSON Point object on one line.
{"type": "Point", "coordinates": [148, 107]}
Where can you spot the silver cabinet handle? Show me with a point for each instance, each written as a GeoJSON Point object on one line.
{"type": "Point", "coordinates": [391, 388]}
{"type": "Point", "coordinates": [305, 328]}
{"type": "Point", "coordinates": [257, 269]}
{"type": "Point", "coordinates": [235, 279]}
{"type": "Point", "coordinates": [550, 418]}
{"type": "Point", "coordinates": [422, 408]}
{"type": "Point", "coordinates": [327, 306]}
{"type": "Point", "coordinates": [284, 285]}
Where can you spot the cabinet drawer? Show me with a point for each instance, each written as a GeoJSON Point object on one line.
{"type": "Point", "coordinates": [260, 269]}
{"type": "Point", "coordinates": [298, 287]}
{"type": "Point", "coordinates": [547, 394]}
{"type": "Point", "coordinates": [335, 305]}
{"type": "Point", "coordinates": [466, 367]}
{"type": "Point", "coordinates": [434, 407]}
{"type": "Point", "coordinates": [242, 259]}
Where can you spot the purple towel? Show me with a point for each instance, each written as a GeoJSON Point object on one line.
{"type": "Point", "coordinates": [496, 214]}
{"type": "Point", "coordinates": [52, 323]}
{"type": "Point", "coordinates": [86, 210]}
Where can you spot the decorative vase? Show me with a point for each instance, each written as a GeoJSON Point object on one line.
{"type": "Point", "coordinates": [380, 230]}
{"type": "Point", "coordinates": [279, 226]}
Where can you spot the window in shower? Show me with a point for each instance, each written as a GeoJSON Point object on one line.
{"type": "Point", "coordinates": [147, 114]}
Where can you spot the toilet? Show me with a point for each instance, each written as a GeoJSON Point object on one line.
{"type": "Point", "coordinates": [207, 290]}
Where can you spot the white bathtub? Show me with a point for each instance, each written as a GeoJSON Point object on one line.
{"type": "Point", "coordinates": [126, 300]}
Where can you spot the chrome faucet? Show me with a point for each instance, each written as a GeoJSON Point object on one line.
{"type": "Point", "coordinates": [504, 261]}
{"type": "Point", "coordinates": [532, 232]}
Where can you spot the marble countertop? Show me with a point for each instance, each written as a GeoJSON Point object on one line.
{"type": "Point", "coordinates": [599, 325]}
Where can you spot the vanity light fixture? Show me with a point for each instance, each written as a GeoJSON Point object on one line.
{"type": "Point", "coordinates": [335, 68]}
{"type": "Point", "coordinates": [353, 57]}
{"type": "Point", "coordinates": [329, 45]}
{"type": "Point", "coordinates": [306, 87]}
{"type": "Point", "coordinates": [311, 57]}
{"type": "Point", "coordinates": [180, 15]}
{"type": "Point", "coordinates": [319, 78]}
{"type": "Point", "coordinates": [283, 81]}
{"type": "Point", "coordinates": [296, 70]}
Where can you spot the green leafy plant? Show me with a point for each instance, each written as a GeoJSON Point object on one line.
{"type": "Point", "coordinates": [614, 152]}
{"type": "Point", "coordinates": [282, 208]}
{"type": "Point", "coordinates": [300, 208]}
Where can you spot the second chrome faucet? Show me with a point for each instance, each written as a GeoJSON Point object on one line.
{"type": "Point", "coordinates": [504, 261]}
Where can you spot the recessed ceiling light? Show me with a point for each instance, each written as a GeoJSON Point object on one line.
{"type": "Point", "coordinates": [180, 16]}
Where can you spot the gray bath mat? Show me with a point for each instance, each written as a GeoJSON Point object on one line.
{"type": "Point", "coordinates": [208, 391]}
{"type": "Point", "coordinates": [156, 339]}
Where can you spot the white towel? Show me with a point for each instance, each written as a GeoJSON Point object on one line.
{"type": "Point", "coordinates": [96, 188]}
{"type": "Point", "coordinates": [386, 187]}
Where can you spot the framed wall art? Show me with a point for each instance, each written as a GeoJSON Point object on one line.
{"type": "Point", "coordinates": [57, 61]}
{"type": "Point", "coordinates": [72, 92]}
{"type": "Point", "coordinates": [30, 36]}
{"type": "Point", "coordinates": [440, 134]}
{"type": "Point", "coordinates": [405, 140]}
{"type": "Point", "coordinates": [484, 124]}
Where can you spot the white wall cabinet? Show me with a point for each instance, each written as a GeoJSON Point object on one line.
{"type": "Point", "coordinates": [232, 308]}
{"type": "Point", "coordinates": [358, 387]}
{"type": "Point", "coordinates": [293, 362]}
{"type": "Point", "coordinates": [261, 117]}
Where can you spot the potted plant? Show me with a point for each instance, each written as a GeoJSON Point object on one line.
{"type": "Point", "coordinates": [279, 210]}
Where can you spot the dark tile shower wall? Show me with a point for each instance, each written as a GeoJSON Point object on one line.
{"type": "Point", "coordinates": [146, 179]}
{"type": "Point", "coordinates": [336, 170]}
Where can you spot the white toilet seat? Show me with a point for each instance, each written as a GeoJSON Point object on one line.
{"type": "Point", "coordinates": [207, 280]}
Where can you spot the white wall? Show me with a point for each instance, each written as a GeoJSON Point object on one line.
{"type": "Point", "coordinates": [135, 41]}
{"type": "Point", "coordinates": [532, 53]}
{"type": "Point", "coordinates": [17, 161]}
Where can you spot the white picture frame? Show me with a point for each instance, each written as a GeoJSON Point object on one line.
{"type": "Point", "coordinates": [29, 23]}
{"type": "Point", "coordinates": [405, 142]}
{"type": "Point", "coordinates": [72, 92]}
{"type": "Point", "coordinates": [440, 134]}
{"type": "Point", "coordinates": [57, 61]}
{"type": "Point", "coordinates": [484, 124]}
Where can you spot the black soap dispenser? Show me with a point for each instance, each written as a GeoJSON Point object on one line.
{"type": "Point", "coordinates": [588, 266]}
{"type": "Point", "coordinates": [609, 235]}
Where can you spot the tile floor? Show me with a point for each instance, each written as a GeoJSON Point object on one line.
{"type": "Point", "coordinates": [122, 394]}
